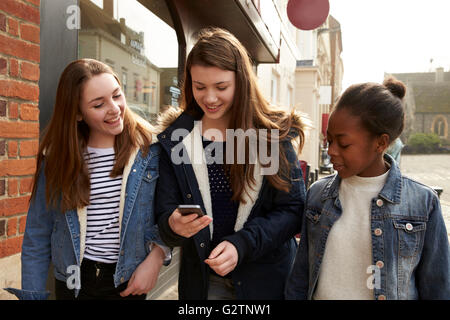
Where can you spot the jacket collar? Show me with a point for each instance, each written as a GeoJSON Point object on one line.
{"type": "Point", "coordinates": [391, 190]}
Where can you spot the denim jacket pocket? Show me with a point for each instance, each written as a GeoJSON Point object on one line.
{"type": "Point", "coordinates": [312, 216]}
{"type": "Point", "coordinates": [150, 175]}
{"type": "Point", "coordinates": [410, 234]}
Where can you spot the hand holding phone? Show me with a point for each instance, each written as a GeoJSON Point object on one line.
{"type": "Point", "coordinates": [184, 222]}
{"type": "Point", "coordinates": [186, 209]}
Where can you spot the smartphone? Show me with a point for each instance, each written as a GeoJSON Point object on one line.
{"type": "Point", "coordinates": [186, 209]}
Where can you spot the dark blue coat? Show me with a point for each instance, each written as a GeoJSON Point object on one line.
{"type": "Point", "coordinates": [265, 240]}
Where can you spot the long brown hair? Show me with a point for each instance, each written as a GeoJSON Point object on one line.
{"type": "Point", "coordinates": [217, 47]}
{"type": "Point", "coordinates": [65, 139]}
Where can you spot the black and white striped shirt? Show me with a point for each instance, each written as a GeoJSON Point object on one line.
{"type": "Point", "coordinates": [102, 231]}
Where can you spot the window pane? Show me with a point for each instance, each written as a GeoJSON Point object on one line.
{"type": "Point", "coordinates": [137, 40]}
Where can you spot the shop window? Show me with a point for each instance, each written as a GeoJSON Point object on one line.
{"type": "Point", "coordinates": [137, 35]}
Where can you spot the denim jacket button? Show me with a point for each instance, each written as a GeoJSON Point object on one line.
{"type": "Point", "coordinates": [381, 297]}
{"type": "Point", "coordinates": [379, 202]}
{"type": "Point", "coordinates": [409, 227]}
{"type": "Point", "coordinates": [380, 264]}
{"type": "Point", "coordinates": [378, 232]}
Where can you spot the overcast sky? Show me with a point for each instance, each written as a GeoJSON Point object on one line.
{"type": "Point", "coordinates": [392, 36]}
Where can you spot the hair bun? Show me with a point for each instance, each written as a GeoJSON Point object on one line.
{"type": "Point", "coordinates": [396, 87]}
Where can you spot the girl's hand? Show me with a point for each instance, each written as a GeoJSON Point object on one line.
{"type": "Point", "coordinates": [189, 225]}
{"type": "Point", "coordinates": [146, 274]}
{"type": "Point", "coordinates": [223, 259]}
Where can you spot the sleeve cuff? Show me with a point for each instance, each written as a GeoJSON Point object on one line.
{"type": "Point", "coordinates": [167, 252]}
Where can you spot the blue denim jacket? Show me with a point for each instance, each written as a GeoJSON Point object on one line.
{"type": "Point", "coordinates": [53, 235]}
{"type": "Point", "coordinates": [408, 236]}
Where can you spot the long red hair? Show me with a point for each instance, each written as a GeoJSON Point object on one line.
{"type": "Point", "coordinates": [65, 139]}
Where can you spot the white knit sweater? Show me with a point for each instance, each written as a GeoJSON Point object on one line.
{"type": "Point", "coordinates": [348, 251]}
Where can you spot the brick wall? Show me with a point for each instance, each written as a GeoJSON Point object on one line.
{"type": "Point", "coordinates": [19, 116]}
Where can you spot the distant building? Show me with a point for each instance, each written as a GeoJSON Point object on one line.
{"type": "Point", "coordinates": [427, 102]}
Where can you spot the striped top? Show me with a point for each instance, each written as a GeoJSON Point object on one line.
{"type": "Point", "coordinates": [102, 231]}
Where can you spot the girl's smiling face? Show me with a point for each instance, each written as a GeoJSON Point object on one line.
{"type": "Point", "coordinates": [102, 108]}
{"type": "Point", "coordinates": [352, 148]}
{"type": "Point", "coordinates": [213, 89]}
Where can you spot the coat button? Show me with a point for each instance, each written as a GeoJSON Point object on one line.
{"type": "Point", "coordinates": [380, 264]}
{"type": "Point", "coordinates": [381, 297]}
{"type": "Point", "coordinates": [202, 245]}
{"type": "Point", "coordinates": [188, 195]}
{"type": "Point", "coordinates": [378, 232]}
{"type": "Point", "coordinates": [163, 136]}
{"type": "Point", "coordinates": [380, 202]}
{"type": "Point", "coordinates": [409, 227]}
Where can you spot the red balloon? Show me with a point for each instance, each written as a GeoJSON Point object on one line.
{"type": "Point", "coordinates": [308, 14]}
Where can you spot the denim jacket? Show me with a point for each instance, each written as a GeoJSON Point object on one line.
{"type": "Point", "coordinates": [410, 246]}
{"type": "Point", "coordinates": [59, 237]}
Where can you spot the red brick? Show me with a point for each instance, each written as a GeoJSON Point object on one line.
{"type": "Point", "coordinates": [30, 71]}
{"type": "Point", "coordinates": [29, 148]}
{"type": "Point", "coordinates": [2, 109]}
{"type": "Point", "coordinates": [26, 185]}
{"type": "Point", "coordinates": [3, 66]}
{"type": "Point", "coordinates": [2, 228]}
{"type": "Point", "coordinates": [2, 22]}
{"type": "Point", "coordinates": [13, 27]}
{"type": "Point", "coordinates": [30, 33]}
{"type": "Point", "coordinates": [22, 224]}
{"type": "Point", "coordinates": [10, 246]}
{"type": "Point", "coordinates": [12, 227]}
{"type": "Point", "coordinates": [19, 48]}
{"type": "Point", "coordinates": [13, 206]}
{"type": "Point", "coordinates": [12, 149]}
{"type": "Point", "coordinates": [2, 148]}
{"type": "Point", "coordinates": [21, 10]}
{"type": "Point", "coordinates": [13, 187]}
{"type": "Point", "coordinates": [21, 90]}
{"type": "Point", "coordinates": [13, 68]}
{"type": "Point", "coordinates": [29, 114]}
{"type": "Point", "coordinates": [13, 110]}
{"type": "Point", "coordinates": [2, 187]}
{"type": "Point", "coordinates": [19, 130]}
{"type": "Point", "coordinates": [20, 167]}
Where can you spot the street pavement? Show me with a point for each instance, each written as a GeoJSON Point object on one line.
{"type": "Point", "coordinates": [431, 170]}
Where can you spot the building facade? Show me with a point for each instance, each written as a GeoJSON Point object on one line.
{"type": "Point", "coordinates": [318, 82]}
{"type": "Point", "coordinates": [427, 103]}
